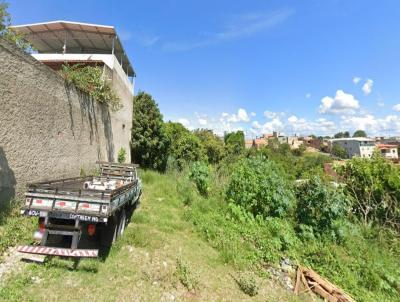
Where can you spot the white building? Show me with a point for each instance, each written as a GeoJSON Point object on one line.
{"type": "Point", "coordinates": [355, 146]}
{"type": "Point", "coordinates": [388, 151]}
{"type": "Point", "coordinates": [60, 42]}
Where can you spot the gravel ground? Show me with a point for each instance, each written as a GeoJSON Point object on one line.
{"type": "Point", "coordinates": [10, 262]}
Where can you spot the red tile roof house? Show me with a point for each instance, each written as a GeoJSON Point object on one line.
{"type": "Point", "coordinates": [388, 151]}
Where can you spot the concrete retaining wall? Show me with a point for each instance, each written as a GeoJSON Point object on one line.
{"type": "Point", "coordinates": [47, 128]}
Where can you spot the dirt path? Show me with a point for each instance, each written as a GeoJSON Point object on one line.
{"type": "Point", "coordinates": [10, 263]}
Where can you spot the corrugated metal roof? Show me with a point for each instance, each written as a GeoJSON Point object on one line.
{"type": "Point", "coordinates": [49, 37]}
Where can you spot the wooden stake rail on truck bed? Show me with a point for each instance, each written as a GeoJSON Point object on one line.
{"type": "Point", "coordinates": [94, 207]}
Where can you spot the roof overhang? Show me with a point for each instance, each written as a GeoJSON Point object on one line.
{"type": "Point", "coordinates": [76, 37]}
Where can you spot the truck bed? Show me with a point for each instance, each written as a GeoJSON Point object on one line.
{"type": "Point", "coordinates": [68, 197]}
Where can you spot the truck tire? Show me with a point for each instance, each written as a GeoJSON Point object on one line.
{"type": "Point", "coordinates": [121, 223]}
{"type": "Point", "coordinates": [108, 234]}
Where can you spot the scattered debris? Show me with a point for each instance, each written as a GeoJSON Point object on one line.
{"type": "Point", "coordinates": [314, 282]}
{"type": "Point", "coordinates": [284, 274]}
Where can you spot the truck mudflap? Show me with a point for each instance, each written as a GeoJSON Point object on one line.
{"type": "Point", "coordinates": [55, 251]}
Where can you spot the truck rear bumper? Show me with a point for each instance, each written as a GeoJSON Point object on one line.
{"type": "Point", "coordinates": [55, 251]}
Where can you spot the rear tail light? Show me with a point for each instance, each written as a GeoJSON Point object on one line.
{"type": "Point", "coordinates": [41, 226]}
{"type": "Point", "coordinates": [38, 235]}
{"type": "Point", "coordinates": [91, 229]}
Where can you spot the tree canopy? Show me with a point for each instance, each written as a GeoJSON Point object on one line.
{"type": "Point", "coordinates": [213, 145]}
{"type": "Point", "coordinates": [149, 141]}
{"type": "Point", "coordinates": [185, 146]}
{"type": "Point", "coordinates": [344, 134]}
{"type": "Point", "coordinates": [360, 133]}
{"type": "Point", "coordinates": [234, 142]}
{"type": "Point", "coordinates": [7, 33]}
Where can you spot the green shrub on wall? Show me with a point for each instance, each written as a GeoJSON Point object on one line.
{"type": "Point", "coordinates": [121, 155]}
{"type": "Point", "coordinates": [91, 80]}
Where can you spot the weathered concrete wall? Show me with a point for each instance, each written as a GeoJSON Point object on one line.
{"type": "Point", "coordinates": [47, 128]}
{"type": "Point", "coordinates": [122, 119]}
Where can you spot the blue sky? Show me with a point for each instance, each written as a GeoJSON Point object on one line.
{"type": "Point", "coordinates": [302, 67]}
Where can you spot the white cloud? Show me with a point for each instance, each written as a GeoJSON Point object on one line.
{"type": "Point", "coordinates": [396, 107]}
{"type": "Point", "coordinates": [292, 119]}
{"type": "Point", "coordinates": [367, 87]}
{"type": "Point", "coordinates": [308, 95]}
{"type": "Point", "coordinates": [274, 125]}
{"type": "Point", "coordinates": [242, 115]}
{"type": "Point", "coordinates": [342, 103]}
{"type": "Point", "coordinates": [184, 122]}
{"type": "Point", "coordinates": [256, 125]}
{"type": "Point", "coordinates": [240, 26]}
{"type": "Point", "coordinates": [270, 114]}
{"type": "Point", "coordinates": [253, 114]}
{"type": "Point", "coordinates": [202, 121]}
{"type": "Point", "coordinates": [356, 80]}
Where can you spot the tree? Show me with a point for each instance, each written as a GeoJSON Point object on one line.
{"type": "Point", "coordinates": [234, 142]}
{"type": "Point", "coordinates": [185, 146]}
{"type": "Point", "coordinates": [342, 134]}
{"type": "Point", "coordinates": [149, 143]}
{"type": "Point", "coordinates": [360, 133]}
{"type": "Point", "coordinates": [339, 151]}
{"type": "Point", "coordinates": [9, 34]}
{"type": "Point", "coordinates": [213, 145]}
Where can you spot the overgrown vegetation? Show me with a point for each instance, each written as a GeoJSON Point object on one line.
{"type": "Point", "coordinates": [186, 275]}
{"type": "Point", "coordinates": [248, 284]}
{"type": "Point", "coordinates": [14, 228]}
{"type": "Point", "coordinates": [92, 80]}
{"type": "Point", "coordinates": [258, 205]}
{"type": "Point", "coordinates": [259, 186]}
{"type": "Point", "coordinates": [374, 186]}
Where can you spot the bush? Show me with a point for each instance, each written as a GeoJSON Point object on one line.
{"type": "Point", "coordinates": [339, 151]}
{"type": "Point", "coordinates": [320, 205]}
{"type": "Point", "coordinates": [213, 145]}
{"type": "Point", "coordinates": [200, 175]}
{"type": "Point", "coordinates": [248, 284]}
{"type": "Point", "coordinates": [374, 185]}
{"type": "Point", "coordinates": [186, 275]}
{"type": "Point", "coordinates": [260, 187]}
{"type": "Point", "coordinates": [121, 155]}
{"type": "Point", "coordinates": [185, 146]}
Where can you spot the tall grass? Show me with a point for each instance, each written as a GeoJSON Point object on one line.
{"type": "Point", "coordinates": [364, 262]}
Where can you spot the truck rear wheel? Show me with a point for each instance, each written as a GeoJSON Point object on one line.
{"type": "Point", "coordinates": [108, 234]}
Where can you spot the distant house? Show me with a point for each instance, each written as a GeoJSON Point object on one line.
{"type": "Point", "coordinates": [249, 143]}
{"type": "Point", "coordinates": [355, 146]}
{"type": "Point", "coordinates": [388, 151]}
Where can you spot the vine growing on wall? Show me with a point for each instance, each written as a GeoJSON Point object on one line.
{"type": "Point", "coordinates": [90, 79]}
